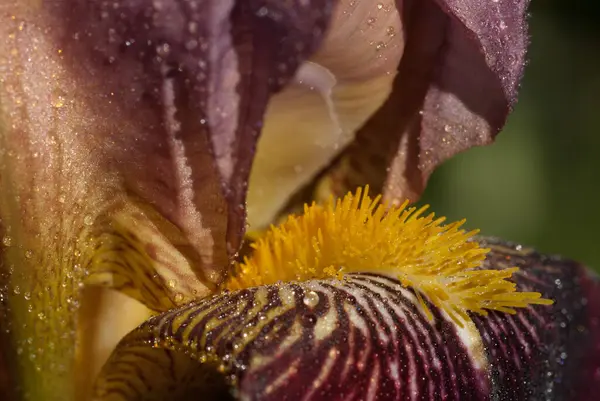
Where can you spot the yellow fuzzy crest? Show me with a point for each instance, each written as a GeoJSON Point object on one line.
{"type": "Point", "coordinates": [359, 234]}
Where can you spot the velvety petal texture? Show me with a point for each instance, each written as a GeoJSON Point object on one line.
{"type": "Point", "coordinates": [366, 338]}
{"type": "Point", "coordinates": [126, 135]}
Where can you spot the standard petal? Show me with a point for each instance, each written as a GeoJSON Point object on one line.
{"type": "Point", "coordinates": [456, 84]}
{"type": "Point", "coordinates": [313, 119]}
{"type": "Point", "coordinates": [126, 133]}
{"type": "Point", "coordinates": [366, 337]}
{"type": "Point", "coordinates": [271, 38]}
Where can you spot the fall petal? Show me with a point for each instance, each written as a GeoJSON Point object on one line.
{"type": "Point", "coordinates": [456, 84]}
{"type": "Point", "coordinates": [314, 118]}
{"type": "Point", "coordinates": [115, 164]}
{"type": "Point", "coordinates": [366, 338]}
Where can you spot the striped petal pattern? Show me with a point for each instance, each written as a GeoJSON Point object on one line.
{"type": "Point", "coordinates": [364, 338]}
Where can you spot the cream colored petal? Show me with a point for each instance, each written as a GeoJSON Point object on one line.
{"type": "Point", "coordinates": [300, 134]}
{"type": "Point", "coordinates": [365, 40]}
{"type": "Point", "coordinates": [105, 316]}
{"type": "Point", "coordinates": [310, 122]}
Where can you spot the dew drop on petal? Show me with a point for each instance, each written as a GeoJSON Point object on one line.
{"type": "Point", "coordinates": [88, 220]}
{"type": "Point", "coordinates": [58, 99]}
{"type": "Point", "coordinates": [311, 299]}
{"type": "Point", "coordinates": [7, 241]}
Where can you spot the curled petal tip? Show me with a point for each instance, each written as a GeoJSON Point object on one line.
{"type": "Point", "coordinates": [457, 82]}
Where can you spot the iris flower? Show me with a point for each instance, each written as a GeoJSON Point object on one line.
{"type": "Point", "coordinates": [147, 145]}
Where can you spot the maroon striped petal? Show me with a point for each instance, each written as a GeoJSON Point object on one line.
{"type": "Point", "coordinates": [365, 338]}
{"type": "Point", "coordinates": [545, 353]}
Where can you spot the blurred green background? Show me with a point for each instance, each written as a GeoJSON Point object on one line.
{"type": "Point", "coordinates": [539, 184]}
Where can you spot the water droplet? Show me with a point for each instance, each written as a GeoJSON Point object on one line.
{"type": "Point", "coordinates": [7, 241]}
{"type": "Point", "coordinates": [163, 50]}
{"type": "Point", "coordinates": [171, 283]}
{"type": "Point", "coordinates": [178, 297]}
{"type": "Point", "coordinates": [379, 46]}
{"type": "Point", "coordinates": [58, 99]}
{"type": "Point", "coordinates": [371, 20]}
{"type": "Point", "coordinates": [28, 254]}
{"type": "Point", "coordinates": [448, 128]}
{"type": "Point", "coordinates": [503, 25]}
{"type": "Point", "coordinates": [17, 290]}
{"type": "Point", "coordinates": [191, 44]}
{"type": "Point", "coordinates": [262, 12]}
{"type": "Point", "coordinates": [88, 220]}
{"type": "Point", "coordinates": [379, 6]}
{"type": "Point", "coordinates": [311, 299]}
{"type": "Point", "coordinates": [41, 316]}
{"type": "Point", "coordinates": [390, 31]}
{"type": "Point", "coordinates": [61, 199]}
